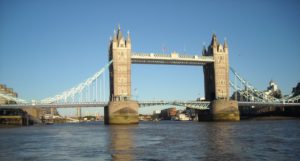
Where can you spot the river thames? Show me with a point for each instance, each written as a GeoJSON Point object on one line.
{"type": "Point", "coordinates": [165, 140]}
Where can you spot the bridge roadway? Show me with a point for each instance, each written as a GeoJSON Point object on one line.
{"type": "Point", "coordinates": [190, 104]}
{"type": "Point", "coordinates": [170, 59]}
{"type": "Point", "coordinates": [201, 105]}
{"type": "Point", "coordinates": [269, 104]}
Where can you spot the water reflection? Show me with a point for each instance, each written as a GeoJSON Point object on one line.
{"type": "Point", "coordinates": [121, 142]}
{"type": "Point", "coordinates": [220, 143]}
{"type": "Point", "coordinates": [166, 140]}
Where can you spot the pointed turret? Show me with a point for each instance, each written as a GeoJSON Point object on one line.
{"type": "Point", "coordinates": [128, 40]}
{"type": "Point", "coordinates": [220, 48]}
{"type": "Point", "coordinates": [115, 36]}
{"type": "Point", "coordinates": [114, 41]}
{"type": "Point", "coordinates": [225, 44]}
{"type": "Point", "coordinates": [128, 36]}
{"type": "Point", "coordinates": [214, 41]}
{"type": "Point", "coordinates": [204, 50]}
{"type": "Point", "coordinates": [119, 34]}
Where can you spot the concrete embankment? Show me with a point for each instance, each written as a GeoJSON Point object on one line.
{"type": "Point", "coordinates": [16, 117]}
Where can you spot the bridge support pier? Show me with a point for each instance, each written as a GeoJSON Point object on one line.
{"type": "Point", "coordinates": [221, 110]}
{"type": "Point", "coordinates": [121, 112]}
{"type": "Point", "coordinates": [225, 110]}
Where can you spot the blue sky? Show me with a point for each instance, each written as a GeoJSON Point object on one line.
{"type": "Point", "coordinates": [47, 47]}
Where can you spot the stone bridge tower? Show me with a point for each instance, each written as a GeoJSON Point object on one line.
{"type": "Point", "coordinates": [121, 109]}
{"type": "Point", "coordinates": [216, 82]}
{"type": "Point", "coordinates": [216, 74]}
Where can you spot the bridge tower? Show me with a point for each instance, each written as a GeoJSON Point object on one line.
{"type": "Point", "coordinates": [216, 82]}
{"type": "Point", "coordinates": [121, 109]}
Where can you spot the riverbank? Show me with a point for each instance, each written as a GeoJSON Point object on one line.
{"type": "Point", "coordinates": [271, 118]}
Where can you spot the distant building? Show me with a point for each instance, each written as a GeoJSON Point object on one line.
{"type": "Point", "coordinates": [145, 117]}
{"type": "Point", "coordinates": [37, 113]}
{"type": "Point", "coordinates": [7, 91]}
{"type": "Point", "coordinates": [200, 99]}
{"type": "Point", "coordinates": [296, 90]}
{"type": "Point", "coordinates": [156, 115]}
{"type": "Point", "coordinates": [273, 90]}
{"type": "Point", "coordinates": [182, 117]}
{"type": "Point", "coordinates": [168, 114]}
{"type": "Point", "coordinates": [192, 113]}
{"type": "Point", "coordinates": [156, 112]}
{"type": "Point", "coordinates": [9, 116]}
{"type": "Point", "coordinates": [238, 95]}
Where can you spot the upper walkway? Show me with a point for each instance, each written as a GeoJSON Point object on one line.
{"type": "Point", "coordinates": [170, 59]}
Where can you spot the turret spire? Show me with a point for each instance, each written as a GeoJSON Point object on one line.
{"type": "Point", "coordinates": [115, 36]}
{"type": "Point", "coordinates": [204, 50]}
{"type": "Point", "coordinates": [225, 44]}
{"type": "Point", "coordinates": [119, 34]}
{"type": "Point", "coordinates": [128, 36]}
{"type": "Point", "coordinates": [214, 41]}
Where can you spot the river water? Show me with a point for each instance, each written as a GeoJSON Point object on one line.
{"type": "Point", "coordinates": [166, 140]}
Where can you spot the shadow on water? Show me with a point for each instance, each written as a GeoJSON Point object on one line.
{"type": "Point", "coordinates": [121, 142]}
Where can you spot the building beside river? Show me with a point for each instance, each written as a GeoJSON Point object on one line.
{"type": "Point", "coordinates": [7, 91]}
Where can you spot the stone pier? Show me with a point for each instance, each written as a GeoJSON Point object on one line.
{"type": "Point", "coordinates": [220, 110]}
{"type": "Point", "coordinates": [225, 110]}
{"type": "Point", "coordinates": [121, 112]}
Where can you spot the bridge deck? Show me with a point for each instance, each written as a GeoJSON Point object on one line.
{"type": "Point", "coordinates": [202, 105]}
{"type": "Point", "coordinates": [57, 105]}
{"type": "Point", "coordinates": [266, 104]}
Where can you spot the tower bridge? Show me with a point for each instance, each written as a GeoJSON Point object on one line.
{"type": "Point", "coordinates": [122, 109]}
